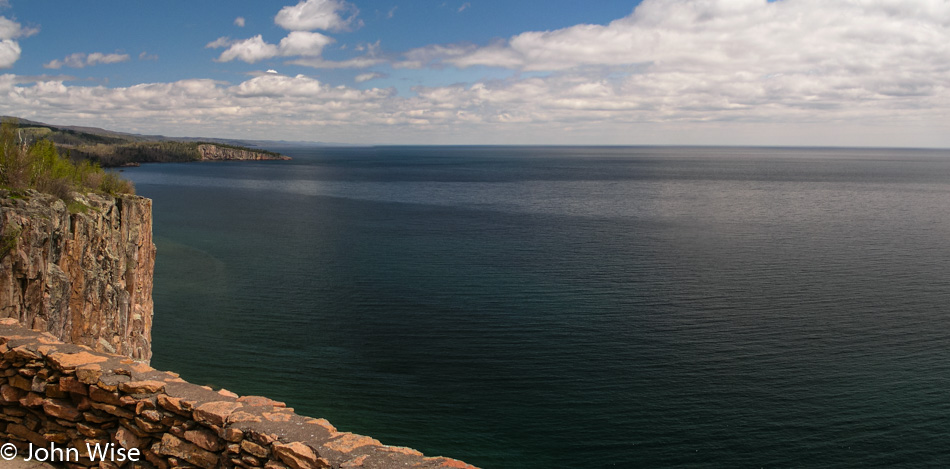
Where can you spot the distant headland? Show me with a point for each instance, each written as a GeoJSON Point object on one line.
{"type": "Point", "coordinates": [115, 149]}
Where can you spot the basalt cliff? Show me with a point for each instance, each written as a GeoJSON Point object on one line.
{"type": "Point", "coordinates": [83, 275]}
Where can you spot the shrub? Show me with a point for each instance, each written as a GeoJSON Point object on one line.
{"type": "Point", "coordinates": [39, 166]}
{"type": "Point", "coordinates": [114, 185]}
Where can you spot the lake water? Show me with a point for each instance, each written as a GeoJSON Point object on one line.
{"type": "Point", "coordinates": [541, 307]}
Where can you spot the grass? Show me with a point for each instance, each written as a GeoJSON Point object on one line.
{"type": "Point", "coordinates": [75, 206]}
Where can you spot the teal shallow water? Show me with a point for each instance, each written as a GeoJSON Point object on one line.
{"type": "Point", "coordinates": [526, 307]}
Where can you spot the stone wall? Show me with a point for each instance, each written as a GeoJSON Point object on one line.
{"type": "Point", "coordinates": [62, 397]}
{"type": "Point", "coordinates": [83, 273]}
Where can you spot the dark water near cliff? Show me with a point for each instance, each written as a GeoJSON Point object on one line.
{"type": "Point", "coordinates": [573, 307]}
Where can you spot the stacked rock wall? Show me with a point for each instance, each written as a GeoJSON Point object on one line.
{"type": "Point", "coordinates": [84, 275]}
{"type": "Point", "coordinates": [90, 409]}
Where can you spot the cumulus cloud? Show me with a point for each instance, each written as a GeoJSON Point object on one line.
{"type": "Point", "coordinates": [9, 53]}
{"type": "Point", "coordinates": [296, 44]}
{"type": "Point", "coordinates": [9, 48]}
{"type": "Point", "coordinates": [239, 21]}
{"type": "Point", "coordinates": [80, 60]}
{"type": "Point", "coordinates": [308, 15]}
{"type": "Point", "coordinates": [249, 50]}
{"type": "Point", "coordinates": [302, 43]}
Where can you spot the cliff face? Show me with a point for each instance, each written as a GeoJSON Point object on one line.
{"type": "Point", "coordinates": [84, 277]}
{"type": "Point", "coordinates": [217, 153]}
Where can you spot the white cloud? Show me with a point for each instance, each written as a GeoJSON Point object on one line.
{"type": "Point", "coordinates": [465, 6]}
{"type": "Point", "coordinates": [309, 15]}
{"type": "Point", "coordinates": [302, 43]}
{"type": "Point", "coordinates": [80, 60]}
{"type": "Point", "coordinates": [249, 50]}
{"type": "Point", "coordinates": [296, 44]}
{"type": "Point", "coordinates": [10, 29]}
{"type": "Point", "coordinates": [364, 77]}
{"type": "Point", "coordinates": [96, 58]}
{"type": "Point", "coordinates": [146, 56]}
{"type": "Point", "coordinates": [9, 48]}
{"type": "Point", "coordinates": [239, 21]}
{"type": "Point", "coordinates": [9, 53]}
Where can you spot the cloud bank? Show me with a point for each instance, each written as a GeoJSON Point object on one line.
{"type": "Point", "coordinates": [870, 72]}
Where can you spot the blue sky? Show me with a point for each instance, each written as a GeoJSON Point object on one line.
{"type": "Point", "coordinates": [787, 72]}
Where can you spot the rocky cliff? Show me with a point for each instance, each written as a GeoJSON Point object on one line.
{"type": "Point", "coordinates": [222, 153]}
{"type": "Point", "coordinates": [82, 273]}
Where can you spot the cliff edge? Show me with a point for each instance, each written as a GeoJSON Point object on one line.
{"type": "Point", "coordinates": [82, 273]}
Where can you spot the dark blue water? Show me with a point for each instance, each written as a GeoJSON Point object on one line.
{"type": "Point", "coordinates": [573, 307]}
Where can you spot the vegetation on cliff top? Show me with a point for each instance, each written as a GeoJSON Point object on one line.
{"type": "Point", "coordinates": [38, 165]}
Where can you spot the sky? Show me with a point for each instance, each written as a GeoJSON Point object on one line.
{"type": "Point", "coordinates": [673, 72]}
